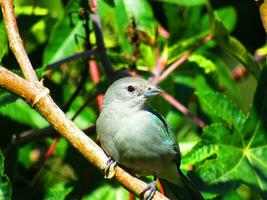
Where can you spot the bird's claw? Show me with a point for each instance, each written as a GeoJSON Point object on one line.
{"type": "Point", "coordinates": [109, 170]}
{"type": "Point", "coordinates": [149, 192]}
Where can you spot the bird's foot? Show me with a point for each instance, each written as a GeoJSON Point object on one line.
{"type": "Point", "coordinates": [109, 170]}
{"type": "Point", "coordinates": [149, 192]}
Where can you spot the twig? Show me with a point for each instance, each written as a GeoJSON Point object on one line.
{"type": "Point", "coordinates": [39, 134]}
{"type": "Point", "coordinates": [37, 95]}
{"type": "Point", "coordinates": [83, 54]}
{"type": "Point", "coordinates": [35, 134]}
{"type": "Point", "coordinates": [180, 61]}
{"type": "Point", "coordinates": [90, 98]}
{"type": "Point", "coordinates": [161, 64]}
{"type": "Point", "coordinates": [15, 40]}
{"type": "Point", "coordinates": [101, 46]}
{"type": "Point", "coordinates": [183, 109]}
{"type": "Point", "coordinates": [77, 91]}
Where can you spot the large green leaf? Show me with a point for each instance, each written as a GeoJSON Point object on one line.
{"type": "Point", "coordinates": [62, 42]}
{"type": "Point", "coordinates": [220, 106]}
{"type": "Point", "coordinates": [186, 2]}
{"type": "Point", "coordinates": [233, 156]}
{"type": "Point", "coordinates": [5, 187]}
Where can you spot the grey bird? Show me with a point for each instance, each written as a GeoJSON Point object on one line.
{"type": "Point", "coordinates": [138, 138]}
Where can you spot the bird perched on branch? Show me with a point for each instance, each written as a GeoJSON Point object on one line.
{"type": "Point", "coordinates": [138, 138]}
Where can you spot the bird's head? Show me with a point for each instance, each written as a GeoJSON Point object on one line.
{"type": "Point", "coordinates": [131, 92]}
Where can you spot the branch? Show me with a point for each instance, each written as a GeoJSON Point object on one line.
{"type": "Point", "coordinates": [180, 61]}
{"type": "Point", "coordinates": [15, 40]}
{"type": "Point", "coordinates": [83, 54]}
{"type": "Point", "coordinates": [101, 46]}
{"type": "Point", "coordinates": [38, 96]}
{"type": "Point", "coordinates": [183, 109]}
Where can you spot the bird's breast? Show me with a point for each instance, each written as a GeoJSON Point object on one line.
{"type": "Point", "coordinates": [134, 141]}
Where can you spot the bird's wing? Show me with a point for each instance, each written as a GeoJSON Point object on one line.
{"type": "Point", "coordinates": [167, 134]}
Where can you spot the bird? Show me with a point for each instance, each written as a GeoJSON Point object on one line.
{"type": "Point", "coordinates": [137, 137]}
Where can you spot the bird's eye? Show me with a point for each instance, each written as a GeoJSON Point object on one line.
{"type": "Point", "coordinates": [130, 88]}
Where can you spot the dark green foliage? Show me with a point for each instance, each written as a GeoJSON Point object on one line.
{"type": "Point", "coordinates": [226, 159]}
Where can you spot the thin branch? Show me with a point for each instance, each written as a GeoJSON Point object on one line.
{"type": "Point", "coordinates": [101, 46]}
{"type": "Point", "coordinates": [83, 54]}
{"type": "Point", "coordinates": [183, 109]}
{"type": "Point", "coordinates": [90, 98]}
{"type": "Point", "coordinates": [15, 40]}
{"type": "Point", "coordinates": [37, 95]}
{"type": "Point", "coordinates": [180, 61]}
{"type": "Point", "coordinates": [35, 134]}
{"type": "Point", "coordinates": [77, 91]}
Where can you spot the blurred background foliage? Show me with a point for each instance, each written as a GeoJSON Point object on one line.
{"type": "Point", "coordinates": [226, 159]}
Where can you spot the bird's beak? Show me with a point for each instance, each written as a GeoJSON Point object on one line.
{"type": "Point", "coordinates": [152, 91]}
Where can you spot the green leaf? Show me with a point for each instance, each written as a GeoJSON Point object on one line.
{"type": "Point", "coordinates": [218, 105]}
{"type": "Point", "coordinates": [186, 2]}
{"type": "Point", "coordinates": [107, 192]}
{"type": "Point", "coordinates": [234, 156]}
{"type": "Point", "coordinates": [227, 15]}
{"type": "Point", "coordinates": [225, 79]}
{"type": "Point", "coordinates": [21, 112]}
{"type": "Point", "coordinates": [6, 97]}
{"type": "Point", "coordinates": [141, 11]}
{"type": "Point", "coordinates": [62, 40]}
{"type": "Point", "coordinates": [180, 47]}
{"type": "Point", "coordinates": [3, 40]}
{"type": "Point", "coordinates": [221, 159]}
{"type": "Point", "coordinates": [112, 34]}
{"type": "Point", "coordinates": [5, 187]}
{"type": "Point", "coordinates": [203, 62]}
{"type": "Point", "coordinates": [234, 48]}
{"type": "Point", "coordinates": [58, 191]}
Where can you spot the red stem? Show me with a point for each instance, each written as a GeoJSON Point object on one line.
{"type": "Point", "coordinates": [183, 109]}
{"type": "Point", "coordinates": [95, 76]}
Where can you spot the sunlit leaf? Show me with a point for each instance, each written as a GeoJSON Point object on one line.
{"type": "Point", "coordinates": [62, 42]}
{"type": "Point", "coordinates": [227, 15]}
{"type": "Point", "coordinates": [107, 192]}
{"type": "Point", "coordinates": [203, 62]}
{"type": "Point", "coordinates": [141, 12]}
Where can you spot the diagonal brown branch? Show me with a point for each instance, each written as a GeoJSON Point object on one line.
{"type": "Point", "coordinates": [180, 61]}
{"type": "Point", "coordinates": [15, 41]}
{"type": "Point", "coordinates": [38, 96]}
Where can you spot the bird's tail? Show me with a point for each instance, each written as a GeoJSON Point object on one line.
{"type": "Point", "coordinates": [186, 191]}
